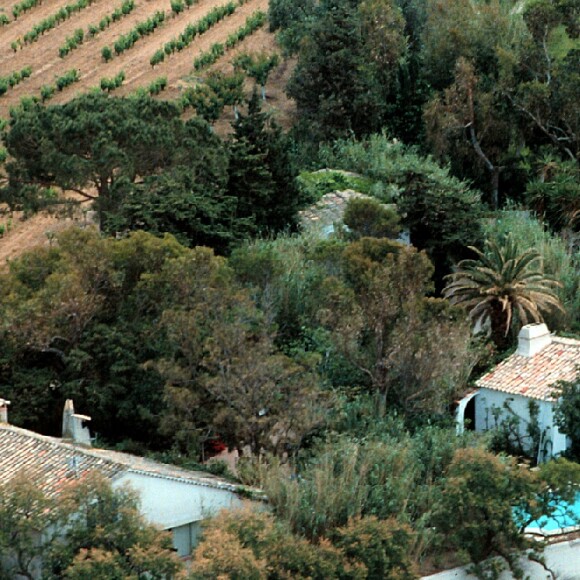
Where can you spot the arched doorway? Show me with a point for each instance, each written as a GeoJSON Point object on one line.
{"type": "Point", "coordinates": [465, 412]}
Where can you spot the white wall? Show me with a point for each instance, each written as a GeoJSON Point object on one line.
{"type": "Point", "coordinates": [170, 503]}
{"type": "Point", "coordinates": [185, 538]}
{"type": "Point", "coordinates": [178, 506]}
{"type": "Point", "coordinates": [486, 399]}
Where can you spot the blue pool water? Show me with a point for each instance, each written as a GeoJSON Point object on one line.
{"type": "Point", "coordinates": [564, 516]}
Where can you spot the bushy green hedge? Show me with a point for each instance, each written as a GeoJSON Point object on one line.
{"type": "Point", "coordinates": [24, 6]}
{"type": "Point", "coordinates": [93, 29]}
{"type": "Point", "coordinates": [55, 19]}
{"type": "Point", "coordinates": [10, 81]}
{"type": "Point", "coordinates": [177, 6]}
{"type": "Point", "coordinates": [110, 84]}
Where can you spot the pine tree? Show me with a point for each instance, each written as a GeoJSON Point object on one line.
{"type": "Point", "coordinates": [260, 173]}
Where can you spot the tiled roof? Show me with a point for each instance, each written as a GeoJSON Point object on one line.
{"type": "Point", "coordinates": [53, 462]}
{"type": "Point", "coordinates": [535, 376]}
{"type": "Point", "coordinates": [49, 462]}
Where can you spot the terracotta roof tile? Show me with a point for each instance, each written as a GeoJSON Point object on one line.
{"type": "Point", "coordinates": [46, 460]}
{"type": "Point", "coordinates": [535, 376]}
{"type": "Point", "coordinates": [53, 462]}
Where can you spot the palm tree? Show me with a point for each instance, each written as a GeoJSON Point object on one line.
{"type": "Point", "coordinates": [503, 286]}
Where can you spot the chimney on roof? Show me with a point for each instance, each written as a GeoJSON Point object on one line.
{"type": "Point", "coordinates": [4, 410]}
{"type": "Point", "coordinates": [533, 338]}
{"type": "Point", "coordinates": [72, 425]}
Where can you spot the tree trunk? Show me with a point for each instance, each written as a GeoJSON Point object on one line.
{"type": "Point", "coordinates": [499, 330]}
{"type": "Point", "coordinates": [494, 170]}
{"type": "Point", "coordinates": [495, 187]}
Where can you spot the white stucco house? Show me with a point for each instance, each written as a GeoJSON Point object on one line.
{"type": "Point", "coordinates": [171, 498]}
{"type": "Point", "coordinates": [528, 375]}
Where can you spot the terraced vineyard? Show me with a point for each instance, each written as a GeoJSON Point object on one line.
{"type": "Point", "coordinates": [142, 41]}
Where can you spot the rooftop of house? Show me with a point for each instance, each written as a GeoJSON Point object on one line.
{"type": "Point", "coordinates": [53, 462]}
{"type": "Point", "coordinates": [540, 361]}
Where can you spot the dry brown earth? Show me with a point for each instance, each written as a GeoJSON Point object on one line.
{"type": "Point", "coordinates": [27, 234]}
{"type": "Point", "coordinates": [47, 65]}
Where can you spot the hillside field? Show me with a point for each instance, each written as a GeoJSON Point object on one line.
{"type": "Point", "coordinates": [18, 51]}
{"type": "Point", "coordinates": [40, 54]}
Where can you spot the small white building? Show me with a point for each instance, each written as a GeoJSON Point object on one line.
{"type": "Point", "coordinates": [528, 375]}
{"type": "Point", "coordinates": [171, 498]}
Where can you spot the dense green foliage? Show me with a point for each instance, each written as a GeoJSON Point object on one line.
{"type": "Point", "coordinates": [132, 150]}
{"type": "Point", "coordinates": [341, 84]}
{"type": "Point", "coordinates": [89, 531]}
{"type": "Point", "coordinates": [568, 414]}
{"type": "Point", "coordinates": [343, 356]}
{"type": "Point", "coordinates": [441, 212]}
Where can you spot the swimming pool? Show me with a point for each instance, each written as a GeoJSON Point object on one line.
{"type": "Point", "coordinates": [564, 517]}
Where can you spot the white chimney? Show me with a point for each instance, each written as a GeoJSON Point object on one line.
{"type": "Point", "coordinates": [533, 338]}
{"type": "Point", "coordinates": [72, 425]}
{"type": "Point", "coordinates": [4, 410]}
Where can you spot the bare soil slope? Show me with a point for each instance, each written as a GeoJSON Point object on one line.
{"type": "Point", "coordinates": [26, 234]}
{"type": "Point", "coordinates": [46, 64]}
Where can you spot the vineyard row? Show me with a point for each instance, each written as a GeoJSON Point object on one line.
{"type": "Point", "coordinates": [218, 49]}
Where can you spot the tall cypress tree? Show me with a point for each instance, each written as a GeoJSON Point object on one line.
{"type": "Point", "coordinates": [335, 84]}
{"type": "Point", "coordinates": [260, 173]}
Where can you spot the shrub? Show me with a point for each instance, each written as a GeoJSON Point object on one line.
{"type": "Point", "coordinates": [24, 6]}
{"type": "Point", "coordinates": [110, 84]}
{"type": "Point", "coordinates": [568, 414]}
{"type": "Point", "coordinates": [157, 58]}
{"type": "Point", "coordinates": [107, 53]}
{"type": "Point", "coordinates": [177, 6]}
{"type": "Point", "coordinates": [47, 92]}
{"type": "Point", "coordinates": [158, 85]}
{"type": "Point", "coordinates": [254, 545]}
{"type": "Point", "coordinates": [14, 79]}
{"type": "Point", "coordinates": [383, 546]}
{"type": "Point", "coordinates": [366, 217]}
{"type": "Point", "coordinates": [475, 510]}
{"type": "Point", "coordinates": [70, 77]}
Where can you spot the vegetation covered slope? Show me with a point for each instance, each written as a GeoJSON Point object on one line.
{"type": "Point", "coordinates": [331, 364]}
